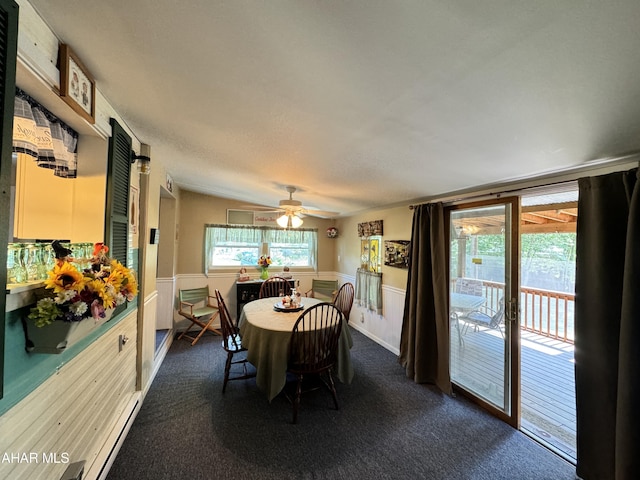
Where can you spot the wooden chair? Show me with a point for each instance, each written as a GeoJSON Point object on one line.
{"type": "Point", "coordinates": [232, 343]}
{"type": "Point", "coordinates": [344, 300]}
{"type": "Point", "coordinates": [323, 289]}
{"type": "Point", "coordinates": [274, 286]}
{"type": "Point", "coordinates": [196, 305]}
{"type": "Point", "coordinates": [314, 348]}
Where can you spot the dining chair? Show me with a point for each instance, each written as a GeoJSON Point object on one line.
{"type": "Point", "coordinates": [232, 344]}
{"type": "Point", "coordinates": [314, 349]}
{"type": "Point", "coordinates": [197, 306]}
{"type": "Point", "coordinates": [274, 286]}
{"type": "Point", "coordinates": [344, 300]}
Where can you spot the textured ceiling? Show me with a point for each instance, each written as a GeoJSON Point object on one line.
{"type": "Point", "coordinates": [362, 103]}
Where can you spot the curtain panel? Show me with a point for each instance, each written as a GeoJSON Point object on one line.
{"type": "Point", "coordinates": [424, 341]}
{"type": "Point", "coordinates": [40, 134]}
{"type": "Point", "coordinates": [369, 290]}
{"type": "Point", "coordinates": [607, 329]}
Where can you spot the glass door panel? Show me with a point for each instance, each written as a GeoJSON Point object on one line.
{"type": "Point", "coordinates": [481, 299]}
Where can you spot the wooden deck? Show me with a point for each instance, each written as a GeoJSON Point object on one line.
{"type": "Point", "coordinates": [547, 381]}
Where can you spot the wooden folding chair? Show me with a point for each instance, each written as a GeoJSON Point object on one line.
{"type": "Point", "coordinates": [201, 309]}
{"type": "Point", "coordinates": [325, 290]}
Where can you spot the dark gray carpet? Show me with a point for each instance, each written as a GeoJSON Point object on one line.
{"type": "Point", "coordinates": [387, 428]}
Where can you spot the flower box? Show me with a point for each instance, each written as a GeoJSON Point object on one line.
{"type": "Point", "coordinates": [58, 336]}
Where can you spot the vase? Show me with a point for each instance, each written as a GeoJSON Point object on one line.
{"type": "Point", "coordinates": [59, 335]}
{"type": "Point", "coordinates": [264, 274]}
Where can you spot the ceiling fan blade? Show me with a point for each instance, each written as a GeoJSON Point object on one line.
{"type": "Point", "coordinates": [260, 208]}
{"type": "Point", "coordinates": [320, 213]}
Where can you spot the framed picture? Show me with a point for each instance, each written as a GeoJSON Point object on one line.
{"type": "Point", "coordinates": [396, 253]}
{"type": "Point", "coordinates": [77, 87]}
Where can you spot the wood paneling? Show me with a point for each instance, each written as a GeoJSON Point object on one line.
{"type": "Point", "coordinates": [73, 413]}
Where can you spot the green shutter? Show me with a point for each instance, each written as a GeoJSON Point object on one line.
{"type": "Point", "coordinates": [8, 49]}
{"type": "Point", "coordinates": [117, 220]}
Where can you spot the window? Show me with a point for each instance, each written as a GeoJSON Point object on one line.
{"type": "Point", "coordinates": [234, 245]}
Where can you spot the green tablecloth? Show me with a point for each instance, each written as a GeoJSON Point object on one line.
{"type": "Point", "coordinates": [266, 335]}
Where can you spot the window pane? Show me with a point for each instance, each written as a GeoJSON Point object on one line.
{"type": "Point", "coordinates": [230, 255]}
{"type": "Point", "coordinates": [293, 254]}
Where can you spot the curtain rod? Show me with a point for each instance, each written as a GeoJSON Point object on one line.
{"type": "Point", "coordinates": [601, 166]}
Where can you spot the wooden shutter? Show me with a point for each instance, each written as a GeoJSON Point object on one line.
{"type": "Point", "coordinates": [117, 210]}
{"type": "Point", "coordinates": [8, 49]}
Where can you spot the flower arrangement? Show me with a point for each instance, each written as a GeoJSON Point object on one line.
{"type": "Point", "coordinates": [264, 261]}
{"type": "Point", "coordinates": [73, 295]}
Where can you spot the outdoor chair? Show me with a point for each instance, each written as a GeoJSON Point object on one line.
{"type": "Point", "coordinates": [197, 306]}
{"type": "Point", "coordinates": [469, 286]}
{"type": "Point", "coordinates": [314, 349]}
{"type": "Point", "coordinates": [274, 287]}
{"type": "Point", "coordinates": [344, 300]}
{"type": "Point", "coordinates": [232, 344]}
{"type": "Point", "coordinates": [323, 289]}
{"type": "Point", "coordinates": [482, 319]}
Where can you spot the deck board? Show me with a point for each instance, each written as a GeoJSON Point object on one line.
{"type": "Point", "coordinates": [546, 375]}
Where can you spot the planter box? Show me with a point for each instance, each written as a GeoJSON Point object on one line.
{"type": "Point", "coordinates": [57, 336]}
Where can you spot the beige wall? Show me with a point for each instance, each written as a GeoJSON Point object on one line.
{"type": "Point", "coordinates": [196, 210]}
{"type": "Point", "coordinates": [396, 226]}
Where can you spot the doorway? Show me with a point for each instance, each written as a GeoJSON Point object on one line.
{"type": "Point", "coordinates": [483, 287]}
{"type": "Point", "coordinates": [165, 277]}
{"type": "Point", "coordinates": [513, 263]}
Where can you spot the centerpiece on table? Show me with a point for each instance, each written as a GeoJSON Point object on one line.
{"type": "Point", "coordinates": [76, 301]}
{"type": "Point", "coordinates": [263, 263]}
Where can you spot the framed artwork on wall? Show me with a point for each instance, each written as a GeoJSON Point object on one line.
{"type": "Point", "coordinates": [77, 86]}
{"type": "Point", "coordinates": [396, 253]}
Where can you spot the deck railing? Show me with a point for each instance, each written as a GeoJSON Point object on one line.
{"type": "Point", "coordinates": [545, 312]}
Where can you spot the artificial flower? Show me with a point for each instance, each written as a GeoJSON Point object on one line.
{"type": "Point", "coordinates": [73, 295]}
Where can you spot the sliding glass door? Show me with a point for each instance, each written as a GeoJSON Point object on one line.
{"type": "Point", "coordinates": [483, 275]}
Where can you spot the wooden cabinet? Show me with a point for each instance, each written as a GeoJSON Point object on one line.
{"type": "Point", "coordinates": [247, 291]}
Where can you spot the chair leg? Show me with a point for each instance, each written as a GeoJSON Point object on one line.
{"type": "Point", "coordinates": [296, 400]}
{"type": "Point", "coordinates": [332, 389]}
{"type": "Point", "coordinates": [227, 369]}
{"type": "Point", "coordinates": [186, 331]}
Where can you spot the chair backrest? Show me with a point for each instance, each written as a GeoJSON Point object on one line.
{"type": "Point", "coordinates": [194, 295]}
{"type": "Point", "coordinates": [327, 288]}
{"type": "Point", "coordinates": [344, 299]}
{"type": "Point", "coordinates": [314, 339]}
{"type": "Point", "coordinates": [274, 286]}
{"type": "Point", "coordinates": [469, 286]}
{"type": "Point", "coordinates": [229, 330]}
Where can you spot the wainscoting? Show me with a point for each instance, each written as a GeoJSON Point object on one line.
{"type": "Point", "coordinates": [75, 414]}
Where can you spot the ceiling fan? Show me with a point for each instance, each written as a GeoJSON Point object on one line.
{"type": "Point", "coordinates": [293, 211]}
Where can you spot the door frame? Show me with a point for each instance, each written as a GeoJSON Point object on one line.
{"type": "Point", "coordinates": [512, 307]}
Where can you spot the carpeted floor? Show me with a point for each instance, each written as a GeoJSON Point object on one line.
{"type": "Point", "coordinates": [387, 428]}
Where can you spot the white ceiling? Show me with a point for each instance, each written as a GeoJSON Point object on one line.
{"type": "Point", "coordinates": [362, 103]}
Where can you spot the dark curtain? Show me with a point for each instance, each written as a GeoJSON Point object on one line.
{"type": "Point", "coordinates": [607, 329]}
{"type": "Point", "coordinates": [424, 342]}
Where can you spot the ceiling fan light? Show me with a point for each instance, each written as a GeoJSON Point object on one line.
{"type": "Point", "coordinates": [283, 221]}
{"type": "Point", "coordinates": [296, 221]}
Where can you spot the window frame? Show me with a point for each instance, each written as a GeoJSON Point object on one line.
{"type": "Point", "coordinates": [262, 237]}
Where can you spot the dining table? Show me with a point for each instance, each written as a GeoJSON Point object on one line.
{"type": "Point", "coordinates": [266, 334]}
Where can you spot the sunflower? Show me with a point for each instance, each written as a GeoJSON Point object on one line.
{"type": "Point", "coordinates": [65, 277]}
{"type": "Point", "coordinates": [100, 289]}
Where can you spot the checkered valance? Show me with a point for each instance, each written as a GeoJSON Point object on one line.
{"type": "Point", "coordinates": [41, 135]}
